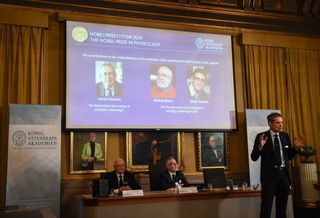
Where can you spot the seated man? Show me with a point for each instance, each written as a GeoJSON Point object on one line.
{"type": "Point", "coordinates": [120, 179]}
{"type": "Point", "coordinates": [172, 178]}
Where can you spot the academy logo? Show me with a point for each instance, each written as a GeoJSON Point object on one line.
{"type": "Point", "coordinates": [19, 138]}
{"type": "Point", "coordinates": [200, 43]}
{"type": "Point", "coordinates": [79, 34]}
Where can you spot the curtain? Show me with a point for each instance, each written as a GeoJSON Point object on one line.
{"type": "Point", "coordinates": [286, 79]}
{"type": "Point", "coordinates": [21, 63]}
{"type": "Point", "coordinates": [304, 94]}
{"type": "Point", "coordinates": [266, 78]}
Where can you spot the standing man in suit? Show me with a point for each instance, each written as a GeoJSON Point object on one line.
{"type": "Point", "coordinates": [109, 86]}
{"type": "Point", "coordinates": [275, 149]}
{"type": "Point", "coordinates": [172, 178]}
{"type": "Point", "coordinates": [120, 179]}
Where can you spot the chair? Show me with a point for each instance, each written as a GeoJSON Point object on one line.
{"type": "Point", "coordinates": [154, 172]}
{"type": "Point", "coordinates": [214, 176]}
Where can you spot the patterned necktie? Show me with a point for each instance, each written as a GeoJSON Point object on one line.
{"type": "Point", "coordinates": [277, 155]}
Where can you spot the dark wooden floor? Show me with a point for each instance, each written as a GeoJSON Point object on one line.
{"type": "Point", "coordinates": [300, 212]}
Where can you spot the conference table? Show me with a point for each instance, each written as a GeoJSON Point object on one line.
{"type": "Point", "coordinates": [205, 204]}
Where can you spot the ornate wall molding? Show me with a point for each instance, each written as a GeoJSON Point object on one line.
{"type": "Point", "coordinates": [249, 14]}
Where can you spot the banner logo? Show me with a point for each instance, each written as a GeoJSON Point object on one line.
{"type": "Point", "coordinates": [19, 138]}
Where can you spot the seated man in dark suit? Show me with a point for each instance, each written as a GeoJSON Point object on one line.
{"type": "Point", "coordinates": [172, 178]}
{"type": "Point", "coordinates": [120, 179]}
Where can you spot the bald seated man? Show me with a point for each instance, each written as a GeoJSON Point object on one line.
{"type": "Point", "coordinates": [120, 179]}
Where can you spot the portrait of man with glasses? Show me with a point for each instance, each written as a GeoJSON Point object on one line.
{"type": "Point", "coordinates": [198, 84]}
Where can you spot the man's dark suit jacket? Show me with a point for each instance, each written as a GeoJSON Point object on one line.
{"type": "Point", "coordinates": [118, 92]}
{"type": "Point", "coordinates": [209, 157]}
{"type": "Point", "coordinates": [166, 181]}
{"type": "Point", "coordinates": [127, 177]}
{"type": "Point", "coordinates": [267, 154]}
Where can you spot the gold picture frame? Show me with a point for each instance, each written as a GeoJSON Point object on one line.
{"type": "Point", "coordinates": [209, 157]}
{"type": "Point", "coordinates": [221, 2]}
{"type": "Point", "coordinates": [79, 145]}
{"type": "Point", "coordinates": [142, 149]}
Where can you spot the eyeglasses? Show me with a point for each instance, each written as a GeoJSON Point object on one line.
{"type": "Point", "coordinates": [198, 79]}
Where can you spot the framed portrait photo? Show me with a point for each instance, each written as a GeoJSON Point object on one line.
{"type": "Point", "coordinates": [145, 148]}
{"type": "Point", "coordinates": [88, 152]}
{"type": "Point", "coordinates": [212, 150]}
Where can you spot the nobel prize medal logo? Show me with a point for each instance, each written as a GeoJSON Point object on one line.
{"type": "Point", "coordinates": [19, 138]}
{"type": "Point", "coordinates": [79, 34]}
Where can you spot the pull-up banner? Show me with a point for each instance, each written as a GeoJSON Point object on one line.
{"type": "Point", "coordinates": [34, 157]}
{"type": "Point", "coordinates": [256, 123]}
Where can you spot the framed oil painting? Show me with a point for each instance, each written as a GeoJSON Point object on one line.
{"type": "Point", "coordinates": [212, 150]}
{"type": "Point", "coordinates": [88, 151]}
{"type": "Point", "coordinates": [145, 148]}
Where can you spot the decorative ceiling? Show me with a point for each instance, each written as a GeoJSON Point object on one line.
{"type": "Point", "coordinates": [291, 16]}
